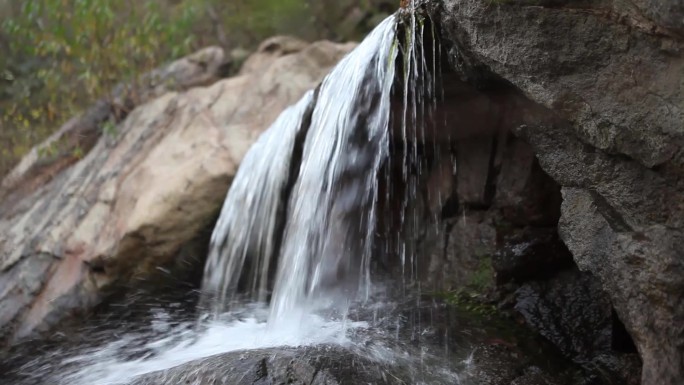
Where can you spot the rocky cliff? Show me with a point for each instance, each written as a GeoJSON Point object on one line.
{"type": "Point", "coordinates": [600, 97]}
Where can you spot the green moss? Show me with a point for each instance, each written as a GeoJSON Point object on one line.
{"type": "Point", "coordinates": [483, 278]}
{"type": "Point", "coordinates": [473, 296]}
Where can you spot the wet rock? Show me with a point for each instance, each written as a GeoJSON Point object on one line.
{"type": "Point", "coordinates": [534, 376]}
{"type": "Point", "coordinates": [613, 368]}
{"type": "Point", "coordinates": [497, 201]}
{"type": "Point", "coordinates": [465, 260]}
{"type": "Point", "coordinates": [330, 365]}
{"type": "Point", "coordinates": [298, 366]}
{"type": "Point", "coordinates": [473, 157]}
{"type": "Point", "coordinates": [119, 216]}
{"type": "Point", "coordinates": [524, 193]}
{"type": "Point", "coordinates": [643, 270]}
{"type": "Point", "coordinates": [495, 365]}
{"type": "Point", "coordinates": [532, 253]}
{"type": "Point", "coordinates": [504, 365]}
{"type": "Point", "coordinates": [570, 310]}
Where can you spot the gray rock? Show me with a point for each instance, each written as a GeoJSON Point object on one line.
{"type": "Point", "coordinates": [532, 253]}
{"type": "Point", "coordinates": [604, 83]}
{"type": "Point", "coordinates": [321, 365]}
{"type": "Point", "coordinates": [570, 310]}
{"type": "Point", "coordinates": [466, 259]}
{"type": "Point", "coordinates": [498, 364]}
{"type": "Point", "coordinates": [643, 271]}
{"type": "Point", "coordinates": [589, 66]}
{"type": "Point", "coordinates": [623, 368]}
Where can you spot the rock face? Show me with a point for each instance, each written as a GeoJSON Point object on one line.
{"type": "Point", "coordinates": [604, 113]}
{"type": "Point", "coordinates": [571, 302]}
{"type": "Point", "coordinates": [69, 231]}
{"type": "Point", "coordinates": [500, 215]}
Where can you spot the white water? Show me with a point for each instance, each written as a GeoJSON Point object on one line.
{"type": "Point", "coordinates": [324, 257]}
{"type": "Point", "coordinates": [247, 225]}
{"type": "Point", "coordinates": [167, 345]}
{"type": "Point", "coordinates": [105, 366]}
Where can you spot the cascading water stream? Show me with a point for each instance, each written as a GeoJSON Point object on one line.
{"type": "Point", "coordinates": [331, 218]}
{"type": "Point", "coordinates": [329, 223]}
{"type": "Point", "coordinates": [246, 229]}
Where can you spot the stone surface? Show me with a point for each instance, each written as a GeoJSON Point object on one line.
{"type": "Point", "coordinates": [498, 364]}
{"type": "Point", "coordinates": [570, 310]}
{"type": "Point", "coordinates": [604, 90]}
{"type": "Point", "coordinates": [466, 259]}
{"type": "Point", "coordinates": [530, 253]}
{"type": "Point", "coordinates": [503, 214]}
{"type": "Point", "coordinates": [298, 366]}
{"type": "Point", "coordinates": [560, 55]}
{"type": "Point", "coordinates": [488, 364]}
{"type": "Point", "coordinates": [121, 213]}
{"type": "Point", "coordinates": [200, 68]}
{"type": "Point", "coordinates": [643, 270]}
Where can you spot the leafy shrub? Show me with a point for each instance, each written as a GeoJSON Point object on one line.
{"type": "Point", "coordinates": [58, 56]}
{"type": "Point", "coordinates": [65, 54]}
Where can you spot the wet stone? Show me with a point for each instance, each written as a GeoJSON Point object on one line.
{"type": "Point", "coordinates": [324, 365]}
{"type": "Point", "coordinates": [571, 311]}
{"type": "Point", "coordinates": [531, 253]}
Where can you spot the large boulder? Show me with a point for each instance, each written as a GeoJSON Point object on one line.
{"type": "Point", "coordinates": [119, 215]}
{"type": "Point", "coordinates": [603, 84]}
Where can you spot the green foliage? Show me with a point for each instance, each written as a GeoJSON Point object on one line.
{"type": "Point", "coordinates": [63, 54]}
{"type": "Point", "coordinates": [482, 279]}
{"type": "Point", "coordinates": [473, 296]}
{"type": "Point", "coordinates": [58, 56]}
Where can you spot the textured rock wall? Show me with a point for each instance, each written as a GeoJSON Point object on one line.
{"type": "Point", "coordinates": [602, 104]}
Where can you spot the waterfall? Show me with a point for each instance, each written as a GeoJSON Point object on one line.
{"type": "Point", "coordinates": [248, 220]}
{"type": "Point", "coordinates": [331, 220]}
{"type": "Point", "coordinates": [313, 210]}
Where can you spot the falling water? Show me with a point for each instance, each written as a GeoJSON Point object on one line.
{"type": "Point", "coordinates": [326, 243]}
{"type": "Point", "coordinates": [246, 229]}
{"type": "Point", "coordinates": [331, 221]}
{"type": "Point", "coordinates": [317, 218]}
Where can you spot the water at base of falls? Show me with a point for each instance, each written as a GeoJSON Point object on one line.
{"type": "Point", "coordinates": [414, 344]}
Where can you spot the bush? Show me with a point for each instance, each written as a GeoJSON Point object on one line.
{"type": "Point", "coordinates": [65, 54]}
{"type": "Point", "coordinates": [59, 56]}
